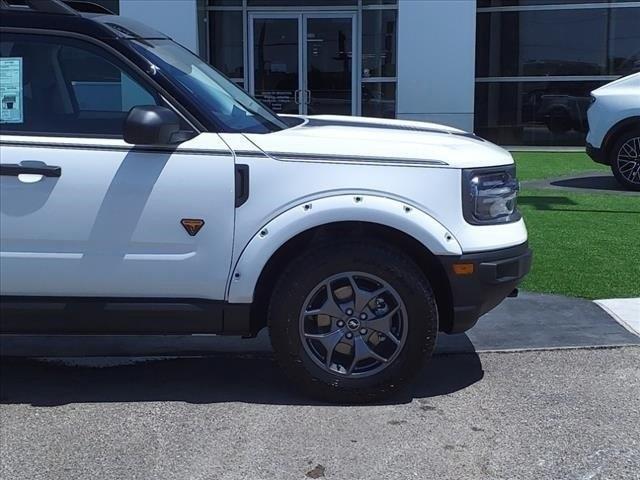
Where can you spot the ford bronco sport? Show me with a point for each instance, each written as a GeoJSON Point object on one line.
{"type": "Point", "coordinates": [144, 193]}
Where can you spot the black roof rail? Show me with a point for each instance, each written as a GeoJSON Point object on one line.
{"type": "Point", "coordinates": [40, 6]}
{"type": "Point", "coordinates": [87, 7]}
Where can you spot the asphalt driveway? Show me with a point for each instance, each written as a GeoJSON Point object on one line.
{"type": "Point", "coordinates": [543, 387]}
{"type": "Point", "coordinates": [571, 414]}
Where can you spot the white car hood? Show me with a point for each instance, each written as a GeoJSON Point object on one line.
{"type": "Point", "coordinates": [343, 138]}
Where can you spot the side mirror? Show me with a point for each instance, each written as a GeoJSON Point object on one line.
{"type": "Point", "coordinates": [153, 125]}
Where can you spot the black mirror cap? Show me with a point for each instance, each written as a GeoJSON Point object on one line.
{"type": "Point", "coordinates": [151, 125]}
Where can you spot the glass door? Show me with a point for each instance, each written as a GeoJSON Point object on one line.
{"type": "Point", "coordinates": [303, 63]}
{"type": "Point", "coordinates": [275, 59]}
{"type": "Point", "coordinates": [329, 74]}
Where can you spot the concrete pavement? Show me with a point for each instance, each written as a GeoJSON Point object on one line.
{"type": "Point", "coordinates": [569, 414]}
{"type": "Point", "coordinates": [625, 310]}
{"type": "Point", "coordinates": [570, 409]}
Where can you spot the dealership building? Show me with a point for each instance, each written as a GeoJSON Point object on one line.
{"type": "Point", "coordinates": [518, 72]}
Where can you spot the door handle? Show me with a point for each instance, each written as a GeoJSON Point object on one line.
{"type": "Point", "coordinates": [296, 97]}
{"type": "Point", "coordinates": [308, 96]}
{"type": "Point", "coordinates": [29, 168]}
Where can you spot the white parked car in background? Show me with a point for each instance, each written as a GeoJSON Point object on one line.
{"type": "Point", "coordinates": [145, 193]}
{"type": "Point", "coordinates": [614, 129]}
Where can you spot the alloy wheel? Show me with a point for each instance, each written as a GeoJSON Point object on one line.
{"type": "Point", "coordinates": [629, 160]}
{"type": "Point", "coordinates": [353, 324]}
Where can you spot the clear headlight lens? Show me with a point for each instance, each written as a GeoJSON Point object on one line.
{"type": "Point", "coordinates": [490, 195]}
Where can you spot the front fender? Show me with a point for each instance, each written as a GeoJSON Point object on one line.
{"type": "Point", "coordinates": [340, 208]}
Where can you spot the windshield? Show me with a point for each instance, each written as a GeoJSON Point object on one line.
{"type": "Point", "coordinates": [231, 107]}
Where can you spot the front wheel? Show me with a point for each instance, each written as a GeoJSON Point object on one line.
{"type": "Point", "coordinates": [352, 322]}
{"type": "Point", "coordinates": [625, 160]}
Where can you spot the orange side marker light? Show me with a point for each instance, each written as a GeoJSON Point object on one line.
{"type": "Point", "coordinates": [463, 268]}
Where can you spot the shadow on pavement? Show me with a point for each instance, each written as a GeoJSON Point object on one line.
{"type": "Point", "coordinates": [561, 204]}
{"type": "Point", "coordinates": [594, 182]}
{"type": "Point", "coordinates": [211, 379]}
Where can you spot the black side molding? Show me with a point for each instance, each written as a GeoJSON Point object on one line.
{"type": "Point", "coordinates": [242, 184]}
{"type": "Point", "coordinates": [121, 316]}
{"type": "Point", "coordinates": [29, 167]}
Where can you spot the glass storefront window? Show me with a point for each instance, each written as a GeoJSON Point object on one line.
{"type": "Point", "coordinates": [379, 99]}
{"type": "Point", "coordinates": [301, 3]}
{"type": "Point", "coordinates": [270, 67]}
{"type": "Point", "coordinates": [556, 38]}
{"type": "Point", "coordinates": [379, 2]}
{"type": "Point", "coordinates": [586, 42]}
{"type": "Point", "coordinates": [225, 3]}
{"type": "Point", "coordinates": [379, 43]}
{"type": "Point", "coordinates": [226, 42]}
{"type": "Point", "coordinates": [624, 45]}
{"type": "Point", "coordinates": [533, 113]}
{"type": "Point", "coordinates": [542, 42]}
{"type": "Point", "coordinates": [524, 3]}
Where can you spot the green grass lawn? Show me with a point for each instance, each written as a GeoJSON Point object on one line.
{"type": "Point", "coordinates": [536, 166]}
{"type": "Point", "coordinates": [585, 245]}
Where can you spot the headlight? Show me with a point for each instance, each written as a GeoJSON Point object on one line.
{"type": "Point", "coordinates": [489, 195]}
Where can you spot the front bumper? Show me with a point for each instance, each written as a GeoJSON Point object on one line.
{"type": "Point", "coordinates": [496, 274]}
{"type": "Point", "coordinates": [596, 154]}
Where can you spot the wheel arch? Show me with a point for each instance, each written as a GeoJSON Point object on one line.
{"type": "Point", "coordinates": [620, 128]}
{"type": "Point", "coordinates": [266, 260]}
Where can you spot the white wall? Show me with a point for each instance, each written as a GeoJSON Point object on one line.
{"type": "Point", "coordinates": [176, 18]}
{"type": "Point", "coordinates": [436, 61]}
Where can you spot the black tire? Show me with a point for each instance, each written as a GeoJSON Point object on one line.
{"type": "Point", "coordinates": [309, 270]}
{"type": "Point", "coordinates": [619, 167]}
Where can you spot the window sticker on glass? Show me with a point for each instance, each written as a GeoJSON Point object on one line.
{"type": "Point", "coordinates": [11, 107]}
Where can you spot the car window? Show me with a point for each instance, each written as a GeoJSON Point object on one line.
{"type": "Point", "coordinates": [62, 86]}
{"type": "Point", "coordinates": [230, 107]}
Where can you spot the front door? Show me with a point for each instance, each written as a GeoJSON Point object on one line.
{"type": "Point", "coordinates": [303, 63]}
{"type": "Point", "coordinates": [99, 218]}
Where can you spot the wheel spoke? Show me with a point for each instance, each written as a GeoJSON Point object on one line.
{"type": "Point", "coordinates": [626, 165]}
{"type": "Point", "coordinates": [629, 151]}
{"type": "Point", "coordinates": [391, 336]}
{"type": "Point", "coordinates": [362, 351]}
{"type": "Point", "coordinates": [362, 298]}
{"type": "Point", "coordinates": [382, 324]}
{"type": "Point", "coordinates": [328, 341]}
{"type": "Point", "coordinates": [330, 306]}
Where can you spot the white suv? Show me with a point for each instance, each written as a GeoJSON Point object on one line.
{"type": "Point", "coordinates": [614, 129]}
{"type": "Point", "coordinates": [144, 193]}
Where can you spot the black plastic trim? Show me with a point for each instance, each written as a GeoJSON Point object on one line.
{"type": "Point", "coordinates": [596, 154]}
{"type": "Point", "coordinates": [243, 182]}
{"type": "Point", "coordinates": [121, 316]}
{"type": "Point", "coordinates": [496, 274]}
{"type": "Point", "coordinates": [32, 168]}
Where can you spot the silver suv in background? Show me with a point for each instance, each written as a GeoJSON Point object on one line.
{"type": "Point", "coordinates": [614, 129]}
